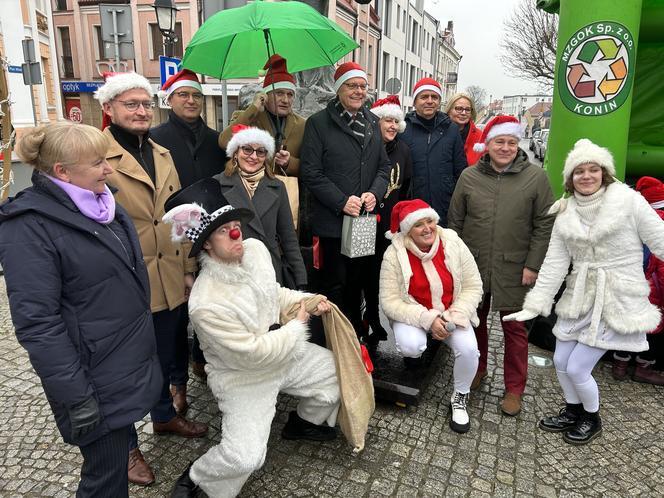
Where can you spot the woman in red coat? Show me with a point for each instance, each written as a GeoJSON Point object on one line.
{"type": "Point", "coordinates": [461, 110]}
{"type": "Point", "coordinates": [653, 191]}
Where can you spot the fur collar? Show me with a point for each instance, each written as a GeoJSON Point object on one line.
{"type": "Point", "coordinates": [231, 273]}
{"type": "Point", "coordinates": [614, 210]}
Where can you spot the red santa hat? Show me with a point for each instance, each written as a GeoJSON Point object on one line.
{"type": "Point", "coordinates": [650, 188]}
{"type": "Point", "coordinates": [390, 107]}
{"type": "Point", "coordinates": [406, 213]}
{"type": "Point", "coordinates": [184, 77]}
{"type": "Point", "coordinates": [427, 84]}
{"type": "Point", "coordinates": [247, 135]}
{"type": "Point", "coordinates": [499, 125]}
{"type": "Point", "coordinates": [346, 71]}
{"type": "Point", "coordinates": [118, 83]}
{"type": "Point", "coordinates": [277, 75]}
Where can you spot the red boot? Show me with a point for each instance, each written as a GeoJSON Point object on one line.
{"type": "Point", "coordinates": [619, 369]}
{"type": "Point", "coordinates": [644, 373]}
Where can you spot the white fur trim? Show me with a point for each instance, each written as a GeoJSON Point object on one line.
{"type": "Point", "coordinates": [513, 129]}
{"type": "Point", "coordinates": [433, 88]}
{"type": "Point", "coordinates": [390, 111]}
{"type": "Point", "coordinates": [278, 84]}
{"type": "Point", "coordinates": [251, 136]}
{"type": "Point", "coordinates": [353, 73]}
{"type": "Point", "coordinates": [407, 223]}
{"type": "Point", "coordinates": [479, 147]}
{"type": "Point", "coordinates": [180, 84]}
{"type": "Point", "coordinates": [585, 152]}
{"type": "Point", "coordinates": [120, 83]}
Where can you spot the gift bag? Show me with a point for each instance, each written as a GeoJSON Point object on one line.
{"type": "Point", "coordinates": [358, 235]}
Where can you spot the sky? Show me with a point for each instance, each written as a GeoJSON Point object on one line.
{"type": "Point", "coordinates": [478, 32]}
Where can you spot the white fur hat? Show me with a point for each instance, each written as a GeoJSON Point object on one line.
{"type": "Point", "coordinates": [120, 83]}
{"type": "Point", "coordinates": [390, 107]}
{"type": "Point", "coordinates": [585, 152]}
{"type": "Point", "coordinates": [245, 135]}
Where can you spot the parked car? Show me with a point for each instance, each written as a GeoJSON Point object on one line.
{"type": "Point", "coordinates": [540, 145]}
{"type": "Point", "coordinates": [536, 134]}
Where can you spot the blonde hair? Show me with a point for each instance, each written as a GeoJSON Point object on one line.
{"type": "Point", "coordinates": [461, 95]}
{"type": "Point", "coordinates": [64, 142]}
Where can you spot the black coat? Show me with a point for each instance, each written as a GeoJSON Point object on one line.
{"type": "Point", "coordinates": [334, 165]}
{"type": "Point", "coordinates": [79, 307]}
{"type": "Point", "coordinates": [272, 223]}
{"type": "Point", "coordinates": [195, 156]}
{"type": "Point", "coordinates": [399, 186]}
{"type": "Point", "coordinates": [438, 160]}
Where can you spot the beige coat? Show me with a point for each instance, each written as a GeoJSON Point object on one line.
{"type": "Point", "coordinates": [395, 274]}
{"type": "Point", "coordinates": [166, 262]}
{"type": "Point", "coordinates": [293, 132]}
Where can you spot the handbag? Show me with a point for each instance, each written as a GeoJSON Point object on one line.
{"type": "Point", "coordinates": [293, 191]}
{"type": "Point", "coordinates": [358, 235]}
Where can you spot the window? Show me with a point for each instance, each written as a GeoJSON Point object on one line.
{"type": "Point", "coordinates": [67, 60]}
{"type": "Point", "coordinates": [60, 4]}
{"type": "Point", "coordinates": [361, 53]}
{"type": "Point", "coordinates": [396, 67]}
{"type": "Point", "coordinates": [157, 41]}
{"type": "Point", "coordinates": [413, 38]}
{"type": "Point", "coordinates": [387, 18]}
{"type": "Point", "coordinates": [99, 48]}
{"type": "Point", "coordinates": [386, 68]}
{"type": "Point", "coordinates": [370, 60]}
{"type": "Point", "coordinates": [398, 16]}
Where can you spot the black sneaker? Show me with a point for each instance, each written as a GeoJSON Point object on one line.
{"type": "Point", "coordinates": [459, 420]}
{"type": "Point", "coordinates": [185, 487]}
{"type": "Point", "coordinates": [588, 427]}
{"type": "Point", "coordinates": [298, 428]}
{"type": "Point", "coordinates": [566, 419]}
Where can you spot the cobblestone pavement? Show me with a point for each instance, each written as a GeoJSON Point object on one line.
{"type": "Point", "coordinates": [410, 452]}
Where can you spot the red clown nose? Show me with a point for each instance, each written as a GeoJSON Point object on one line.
{"type": "Point", "coordinates": [235, 233]}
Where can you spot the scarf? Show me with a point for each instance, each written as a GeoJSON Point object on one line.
{"type": "Point", "coordinates": [97, 207]}
{"type": "Point", "coordinates": [431, 283]}
{"type": "Point", "coordinates": [588, 206]}
{"type": "Point", "coordinates": [251, 180]}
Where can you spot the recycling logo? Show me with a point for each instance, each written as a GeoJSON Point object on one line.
{"type": "Point", "coordinates": [595, 71]}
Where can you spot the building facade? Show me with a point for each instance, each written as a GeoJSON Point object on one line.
{"type": "Point", "coordinates": [517, 105]}
{"type": "Point", "coordinates": [447, 67]}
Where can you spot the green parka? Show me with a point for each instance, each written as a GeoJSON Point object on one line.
{"type": "Point", "coordinates": [502, 218]}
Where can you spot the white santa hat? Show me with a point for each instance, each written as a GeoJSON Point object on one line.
{"type": "Point", "coordinates": [184, 77]}
{"type": "Point", "coordinates": [390, 107]}
{"type": "Point", "coordinates": [346, 71]}
{"type": "Point", "coordinates": [406, 213]}
{"type": "Point", "coordinates": [499, 125]}
{"type": "Point", "coordinates": [585, 152]}
{"type": "Point", "coordinates": [427, 84]}
{"type": "Point", "coordinates": [247, 135]}
{"type": "Point", "coordinates": [119, 83]}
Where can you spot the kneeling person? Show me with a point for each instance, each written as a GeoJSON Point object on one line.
{"type": "Point", "coordinates": [235, 306]}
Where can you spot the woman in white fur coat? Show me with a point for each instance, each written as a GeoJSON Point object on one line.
{"type": "Point", "coordinates": [430, 284]}
{"type": "Point", "coordinates": [600, 229]}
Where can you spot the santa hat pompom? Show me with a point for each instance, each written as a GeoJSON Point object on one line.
{"type": "Point", "coordinates": [183, 217]}
{"type": "Point", "coordinates": [479, 147]}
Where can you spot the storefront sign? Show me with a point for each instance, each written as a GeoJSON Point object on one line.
{"type": "Point", "coordinates": [81, 86]}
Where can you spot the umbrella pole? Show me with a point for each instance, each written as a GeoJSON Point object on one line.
{"type": "Point", "coordinates": [279, 135]}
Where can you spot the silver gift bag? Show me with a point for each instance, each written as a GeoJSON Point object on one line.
{"type": "Point", "coordinates": [358, 236]}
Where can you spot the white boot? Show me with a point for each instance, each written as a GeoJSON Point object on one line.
{"type": "Point", "coordinates": [459, 420]}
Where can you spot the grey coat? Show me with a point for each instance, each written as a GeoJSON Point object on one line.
{"type": "Point", "coordinates": [273, 223]}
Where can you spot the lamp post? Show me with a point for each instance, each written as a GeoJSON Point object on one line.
{"type": "Point", "coordinates": [166, 15]}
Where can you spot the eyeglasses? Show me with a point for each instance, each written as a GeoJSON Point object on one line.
{"type": "Point", "coordinates": [186, 96]}
{"type": "Point", "coordinates": [132, 105]}
{"type": "Point", "coordinates": [463, 110]}
{"type": "Point", "coordinates": [260, 152]}
{"type": "Point", "coordinates": [356, 86]}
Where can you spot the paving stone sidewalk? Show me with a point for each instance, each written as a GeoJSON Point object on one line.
{"type": "Point", "coordinates": [409, 452]}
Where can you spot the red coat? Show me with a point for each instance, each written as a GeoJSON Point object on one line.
{"type": "Point", "coordinates": [474, 136]}
{"type": "Point", "coordinates": [655, 275]}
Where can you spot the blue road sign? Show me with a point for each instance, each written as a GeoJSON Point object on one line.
{"type": "Point", "coordinates": [168, 66]}
{"type": "Point", "coordinates": [15, 69]}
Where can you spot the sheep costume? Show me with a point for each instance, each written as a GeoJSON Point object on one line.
{"type": "Point", "coordinates": [234, 309]}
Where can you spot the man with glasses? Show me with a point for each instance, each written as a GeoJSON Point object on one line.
{"type": "Point", "coordinates": [144, 177]}
{"type": "Point", "coordinates": [435, 147]}
{"type": "Point", "coordinates": [196, 153]}
{"type": "Point", "coordinates": [345, 167]}
{"type": "Point", "coordinates": [272, 111]}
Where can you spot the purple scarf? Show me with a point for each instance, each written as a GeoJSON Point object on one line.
{"type": "Point", "coordinates": [97, 207]}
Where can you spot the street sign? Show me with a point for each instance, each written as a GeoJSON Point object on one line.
{"type": "Point", "coordinates": [81, 86]}
{"type": "Point", "coordinates": [116, 21]}
{"type": "Point", "coordinates": [28, 50]}
{"type": "Point", "coordinates": [15, 69]}
{"type": "Point", "coordinates": [31, 73]}
{"type": "Point", "coordinates": [168, 66]}
{"type": "Point", "coordinates": [393, 86]}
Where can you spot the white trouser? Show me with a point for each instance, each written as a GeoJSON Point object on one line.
{"type": "Point", "coordinates": [247, 412]}
{"type": "Point", "coordinates": [412, 342]}
{"type": "Point", "coordinates": [574, 366]}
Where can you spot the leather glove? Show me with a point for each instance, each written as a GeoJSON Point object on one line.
{"type": "Point", "coordinates": [520, 316]}
{"type": "Point", "coordinates": [84, 418]}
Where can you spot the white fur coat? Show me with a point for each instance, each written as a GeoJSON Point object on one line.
{"type": "Point", "coordinates": [232, 307]}
{"type": "Point", "coordinates": [607, 278]}
{"type": "Point", "coordinates": [395, 274]}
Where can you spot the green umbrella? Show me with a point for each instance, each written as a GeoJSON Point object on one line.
{"type": "Point", "coordinates": [235, 43]}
